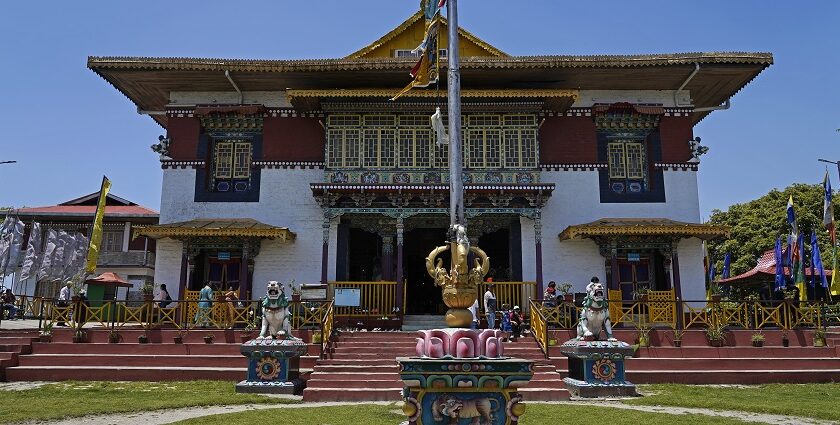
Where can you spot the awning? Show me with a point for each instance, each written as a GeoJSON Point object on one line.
{"type": "Point", "coordinates": [607, 227]}
{"type": "Point", "coordinates": [209, 228]}
{"type": "Point", "coordinates": [108, 279]}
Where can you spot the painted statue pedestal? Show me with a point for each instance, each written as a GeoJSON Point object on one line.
{"type": "Point", "coordinates": [596, 368]}
{"type": "Point", "coordinates": [273, 366]}
{"type": "Point", "coordinates": [477, 387]}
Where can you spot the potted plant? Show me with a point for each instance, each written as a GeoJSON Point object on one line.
{"type": "Point", "coordinates": [790, 295]}
{"type": "Point", "coordinates": [295, 291]}
{"type": "Point", "coordinates": [564, 290]}
{"type": "Point", "coordinates": [715, 335]}
{"type": "Point", "coordinates": [114, 336]}
{"type": "Point", "coordinates": [819, 337]}
{"type": "Point", "coordinates": [644, 335]}
{"type": "Point", "coordinates": [80, 335]}
{"type": "Point", "coordinates": [179, 337]}
{"type": "Point", "coordinates": [678, 334]}
{"type": "Point", "coordinates": [785, 340]}
{"type": "Point", "coordinates": [758, 339]}
{"type": "Point", "coordinates": [148, 291]}
{"type": "Point", "coordinates": [208, 339]}
{"type": "Point", "coordinates": [46, 333]}
{"type": "Point", "coordinates": [143, 338]}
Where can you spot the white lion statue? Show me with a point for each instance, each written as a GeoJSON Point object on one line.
{"type": "Point", "coordinates": [275, 308]}
{"type": "Point", "coordinates": [596, 313]}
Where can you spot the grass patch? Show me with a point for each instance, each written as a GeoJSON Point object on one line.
{"type": "Point", "coordinates": [536, 414]}
{"type": "Point", "coordinates": [72, 399]}
{"type": "Point", "coordinates": [806, 400]}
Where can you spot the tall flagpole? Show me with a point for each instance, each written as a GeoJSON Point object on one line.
{"type": "Point", "coordinates": [456, 181]}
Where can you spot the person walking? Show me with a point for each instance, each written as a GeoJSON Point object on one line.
{"type": "Point", "coordinates": [64, 297]}
{"type": "Point", "coordinates": [490, 306]}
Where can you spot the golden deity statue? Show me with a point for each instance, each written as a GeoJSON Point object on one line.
{"type": "Point", "coordinates": [460, 284]}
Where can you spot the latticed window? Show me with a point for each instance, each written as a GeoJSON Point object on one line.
{"type": "Point", "coordinates": [491, 141]}
{"type": "Point", "coordinates": [232, 159]}
{"type": "Point", "coordinates": [626, 160]}
{"type": "Point", "coordinates": [231, 165]}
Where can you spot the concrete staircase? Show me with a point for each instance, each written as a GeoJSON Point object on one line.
{"type": "Point", "coordinates": [695, 362]}
{"type": "Point", "coordinates": [363, 367]}
{"type": "Point", "coordinates": [418, 322]}
{"type": "Point", "coordinates": [12, 345]}
{"type": "Point", "coordinates": [159, 360]}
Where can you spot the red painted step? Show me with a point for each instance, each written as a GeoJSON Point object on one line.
{"type": "Point", "coordinates": [120, 373]}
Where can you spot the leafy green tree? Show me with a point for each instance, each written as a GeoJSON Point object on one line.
{"type": "Point", "coordinates": [758, 223]}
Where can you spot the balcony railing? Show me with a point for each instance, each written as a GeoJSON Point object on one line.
{"type": "Point", "coordinates": [129, 258]}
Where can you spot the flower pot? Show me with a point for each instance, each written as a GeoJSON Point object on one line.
{"type": "Point", "coordinates": [296, 297]}
{"type": "Point", "coordinates": [114, 339]}
{"type": "Point", "coordinates": [819, 342]}
{"type": "Point", "coordinates": [716, 342]}
{"type": "Point", "coordinates": [178, 339]}
{"type": "Point", "coordinates": [758, 343]}
{"type": "Point", "coordinates": [45, 338]}
{"type": "Point", "coordinates": [716, 298]}
{"type": "Point", "coordinates": [569, 298]}
{"type": "Point", "coordinates": [143, 339]}
{"type": "Point", "coordinates": [245, 337]}
{"type": "Point", "coordinates": [208, 339]}
{"type": "Point", "coordinates": [678, 343]}
{"type": "Point", "coordinates": [643, 298]}
{"type": "Point", "coordinates": [785, 342]}
{"type": "Point", "coordinates": [148, 297]}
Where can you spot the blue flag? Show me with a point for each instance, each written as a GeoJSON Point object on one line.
{"type": "Point", "coordinates": [780, 268]}
{"type": "Point", "coordinates": [816, 260]}
{"type": "Point", "coordinates": [711, 272]}
{"type": "Point", "coordinates": [727, 260]}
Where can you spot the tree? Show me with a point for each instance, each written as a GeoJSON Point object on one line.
{"type": "Point", "coordinates": [758, 223]}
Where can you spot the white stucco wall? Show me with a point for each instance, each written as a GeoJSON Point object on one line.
{"type": "Point", "coordinates": [576, 200]}
{"type": "Point", "coordinates": [168, 265]}
{"type": "Point", "coordinates": [285, 200]}
{"type": "Point", "coordinates": [666, 98]}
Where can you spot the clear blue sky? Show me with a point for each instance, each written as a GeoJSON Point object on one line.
{"type": "Point", "coordinates": [67, 127]}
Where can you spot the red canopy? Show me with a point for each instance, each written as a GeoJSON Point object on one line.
{"type": "Point", "coordinates": [110, 279]}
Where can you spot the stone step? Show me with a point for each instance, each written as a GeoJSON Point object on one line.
{"type": "Point", "coordinates": [352, 394]}
{"type": "Point", "coordinates": [121, 373]}
{"type": "Point", "coordinates": [17, 340]}
{"type": "Point", "coordinates": [540, 393]}
{"type": "Point", "coordinates": [125, 360]}
{"type": "Point", "coordinates": [134, 348]}
{"type": "Point", "coordinates": [316, 382]}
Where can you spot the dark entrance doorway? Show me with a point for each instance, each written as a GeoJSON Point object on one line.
{"type": "Point", "coordinates": [422, 296]}
{"type": "Point", "coordinates": [365, 264]}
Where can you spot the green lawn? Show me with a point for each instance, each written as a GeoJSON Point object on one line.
{"type": "Point", "coordinates": [818, 401]}
{"type": "Point", "coordinates": [70, 399]}
{"type": "Point", "coordinates": [536, 414]}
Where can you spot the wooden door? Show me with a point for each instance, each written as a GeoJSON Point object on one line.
{"type": "Point", "coordinates": [633, 275]}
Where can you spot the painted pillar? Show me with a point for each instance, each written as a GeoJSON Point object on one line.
{"type": "Point", "coordinates": [614, 270]}
{"type": "Point", "coordinates": [387, 258]}
{"type": "Point", "coordinates": [399, 277]}
{"type": "Point", "coordinates": [675, 264]}
{"type": "Point", "coordinates": [244, 287]}
{"type": "Point", "coordinates": [325, 251]}
{"type": "Point", "coordinates": [182, 284]}
{"type": "Point", "coordinates": [538, 253]}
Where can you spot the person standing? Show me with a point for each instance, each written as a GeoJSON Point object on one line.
{"type": "Point", "coordinates": [550, 295]}
{"type": "Point", "coordinates": [517, 320]}
{"type": "Point", "coordinates": [490, 306]}
{"type": "Point", "coordinates": [205, 301]}
{"type": "Point", "coordinates": [64, 297]}
{"type": "Point", "coordinates": [474, 312]}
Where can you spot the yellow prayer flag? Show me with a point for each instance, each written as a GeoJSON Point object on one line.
{"type": "Point", "coordinates": [96, 230]}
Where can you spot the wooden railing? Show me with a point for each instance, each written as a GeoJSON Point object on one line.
{"type": "Point", "coordinates": [375, 298]}
{"type": "Point", "coordinates": [327, 328]}
{"type": "Point", "coordinates": [510, 293]}
{"type": "Point", "coordinates": [539, 326]}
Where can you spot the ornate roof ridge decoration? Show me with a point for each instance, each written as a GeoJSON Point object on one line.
{"type": "Point", "coordinates": [427, 106]}
{"type": "Point", "coordinates": [290, 164]}
{"type": "Point", "coordinates": [167, 164]}
{"type": "Point", "coordinates": [217, 228]}
{"type": "Point", "coordinates": [677, 166]}
{"type": "Point", "coordinates": [310, 99]}
{"type": "Point", "coordinates": [613, 227]}
{"type": "Point", "coordinates": [627, 116]}
{"type": "Point", "coordinates": [411, 21]}
{"type": "Point", "coordinates": [230, 117]}
{"type": "Point", "coordinates": [591, 166]}
{"type": "Point", "coordinates": [474, 62]}
{"type": "Point", "coordinates": [421, 187]}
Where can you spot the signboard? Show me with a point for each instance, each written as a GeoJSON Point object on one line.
{"type": "Point", "coordinates": [315, 293]}
{"type": "Point", "coordinates": [223, 255]}
{"type": "Point", "coordinates": [348, 297]}
{"type": "Point", "coordinates": [633, 256]}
